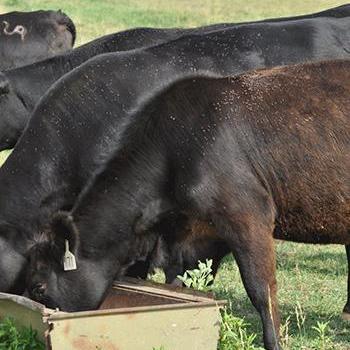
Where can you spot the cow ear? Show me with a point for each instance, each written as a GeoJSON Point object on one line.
{"type": "Point", "coordinates": [63, 228]}
{"type": "Point", "coordinates": [151, 215]}
{"type": "Point", "coordinates": [4, 84]}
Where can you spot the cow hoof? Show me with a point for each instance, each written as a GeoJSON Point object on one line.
{"type": "Point", "coordinates": [346, 316]}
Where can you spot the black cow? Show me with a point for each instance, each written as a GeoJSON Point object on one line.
{"type": "Point", "coordinates": [26, 37]}
{"type": "Point", "coordinates": [255, 157]}
{"type": "Point", "coordinates": [24, 86]}
{"type": "Point", "coordinates": [327, 30]}
{"type": "Point", "coordinates": [76, 125]}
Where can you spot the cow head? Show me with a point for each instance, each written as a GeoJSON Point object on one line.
{"type": "Point", "coordinates": [97, 267]}
{"type": "Point", "coordinates": [13, 114]}
{"type": "Point", "coordinates": [27, 37]}
{"type": "Point", "coordinates": [47, 280]}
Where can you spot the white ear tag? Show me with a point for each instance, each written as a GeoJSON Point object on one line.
{"type": "Point", "coordinates": [69, 262]}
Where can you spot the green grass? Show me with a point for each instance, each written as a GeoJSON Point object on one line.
{"type": "Point", "coordinates": [312, 279]}
{"type": "Point", "coordinates": [312, 293]}
{"type": "Point", "coordinates": [97, 17]}
{"type": "Point", "coordinates": [12, 338]}
{"type": "Point", "coordinates": [312, 285]}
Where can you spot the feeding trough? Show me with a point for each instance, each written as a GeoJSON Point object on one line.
{"type": "Point", "coordinates": [136, 315]}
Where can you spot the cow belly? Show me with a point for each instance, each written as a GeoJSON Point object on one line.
{"type": "Point", "coordinates": [323, 226]}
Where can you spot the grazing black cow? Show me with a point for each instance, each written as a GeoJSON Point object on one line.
{"type": "Point", "coordinates": [328, 31]}
{"type": "Point", "coordinates": [77, 124]}
{"type": "Point", "coordinates": [255, 157]}
{"type": "Point", "coordinates": [26, 37]}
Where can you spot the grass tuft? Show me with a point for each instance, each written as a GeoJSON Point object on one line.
{"type": "Point", "coordinates": [12, 338]}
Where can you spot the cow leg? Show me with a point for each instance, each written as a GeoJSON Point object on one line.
{"type": "Point", "coordinates": [252, 245]}
{"type": "Point", "coordinates": [175, 267]}
{"type": "Point", "coordinates": [179, 265]}
{"type": "Point", "coordinates": [346, 311]}
{"type": "Point", "coordinates": [221, 251]}
{"type": "Point", "coordinates": [215, 267]}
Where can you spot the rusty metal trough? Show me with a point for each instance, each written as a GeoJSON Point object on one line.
{"type": "Point", "coordinates": [134, 316]}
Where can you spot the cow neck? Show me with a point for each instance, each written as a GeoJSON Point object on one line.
{"type": "Point", "coordinates": [28, 196]}
{"type": "Point", "coordinates": [34, 182]}
{"type": "Point", "coordinates": [32, 81]}
{"type": "Point", "coordinates": [112, 203]}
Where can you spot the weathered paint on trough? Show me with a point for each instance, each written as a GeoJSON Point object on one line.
{"type": "Point", "coordinates": [134, 316]}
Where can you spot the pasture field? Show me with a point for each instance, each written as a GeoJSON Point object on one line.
{"type": "Point", "coordinates": [98, 17]}
{"type": "Point", "coordinates": [312, 279]}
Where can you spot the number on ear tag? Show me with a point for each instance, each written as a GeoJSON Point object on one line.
{"type": "Point", "coordinates": [69, 262]}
